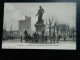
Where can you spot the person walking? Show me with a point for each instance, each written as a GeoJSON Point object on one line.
{"type": "Point", "coordinates": [29, 38]}
{"type": "Point", "coordinates": [37, 37]}
{"type": "Point", "coordinates": [46, 38]}
{"type": "Point", "coordinates": [21, 38]}
{"type": "Point", "coordinates": [43, 32]}
{"type": "Point", "coordinates": [42, 38]}
{"type": "Point", "coordinates": [64, 37]}
{"type": "Point", "coordinates": [25, 36]}
{"type": "Point", "coordinates": [54, 37]}
{"type": "Point", "coordinates": [58, 38]}
{"type": "Point", "coordinates": [34, 36]}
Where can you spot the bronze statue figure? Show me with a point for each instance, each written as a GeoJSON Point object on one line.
{"type": "Point", "coordinates": [40, 14]}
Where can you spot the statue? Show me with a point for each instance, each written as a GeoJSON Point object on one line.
{"type": "Point", "coordinates": [40, 23]}
{"type": "Point", "coordinates": [40, 14]}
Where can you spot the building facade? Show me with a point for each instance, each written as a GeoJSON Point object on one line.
{"type": "Point", "coordinates": [25, 25]}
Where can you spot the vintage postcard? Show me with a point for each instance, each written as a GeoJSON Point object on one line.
{"type": "Point", "coordinates": [39, 26]}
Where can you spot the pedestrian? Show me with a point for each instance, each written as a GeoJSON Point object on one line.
{"type": "Point", "coordinates": [58, 38]}
{"type": "Point", "coordinates": [25, 36]}
{"type": "Point", "coordinates": [34, 36]}
{"type": "Point", "coordinates": [32, 39]}
{"type": "Point", "coordinates": [21, 38]}
{"type": "Point", "coordinates": [64, 37]}
{"type": "Point", "coordinates": [46, 38]}
{"type": "Point", "coordinates": [42, 36]}
{"type": "Point", "coordinates": [29, 38]}
{"type": "Point", "coordinates": [54, 37]}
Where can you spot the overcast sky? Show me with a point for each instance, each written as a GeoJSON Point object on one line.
{"type": "Point", "coordinates": [61, 12]}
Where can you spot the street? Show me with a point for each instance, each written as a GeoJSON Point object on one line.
{"type": "Point", "coordinates": [23, 41]}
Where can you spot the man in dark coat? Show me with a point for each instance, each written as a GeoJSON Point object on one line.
{"type": "Point", "coordinates": [54, 37]}
{"type": "Point", "coordinates": [25, 32]}
{"type": "Point", "coordinates": [21, 38]}
{"type": "Point", "coordinates": [46, 38]}
{"type": "Point", "coordinates": [42, 36]}
{"type": "Point", "coordinates": [64, 37]}
{"type": "Point", "coordinates": [58, 38]}
{"type": "Point", "coordinates": [35, 36]}
{"type": "Point", "coordinates": [29, 38]}
{"type": "Point", "coordinates": [26, 36]}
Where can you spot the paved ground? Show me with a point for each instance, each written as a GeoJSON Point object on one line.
{"type": "Point", "coordinates": [23, 41]}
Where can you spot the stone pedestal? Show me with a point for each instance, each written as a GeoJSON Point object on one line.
{"type": "Point", "coordinates": [39, 27]}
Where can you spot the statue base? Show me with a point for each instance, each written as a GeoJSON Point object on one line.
{"type": "Point", "coordinates": [39, 27]}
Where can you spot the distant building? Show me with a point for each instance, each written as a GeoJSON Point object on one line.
{"type": "Point", "coordinates": [14, 33]}
{"type": "Point", "coordinates": [25, 25]}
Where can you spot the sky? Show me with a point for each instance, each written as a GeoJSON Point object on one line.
{"type": "Point", "coordinates": [64, 13]}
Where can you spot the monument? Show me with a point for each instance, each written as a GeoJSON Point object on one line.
{"type": "Point", "coordinates": [40, 23]}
